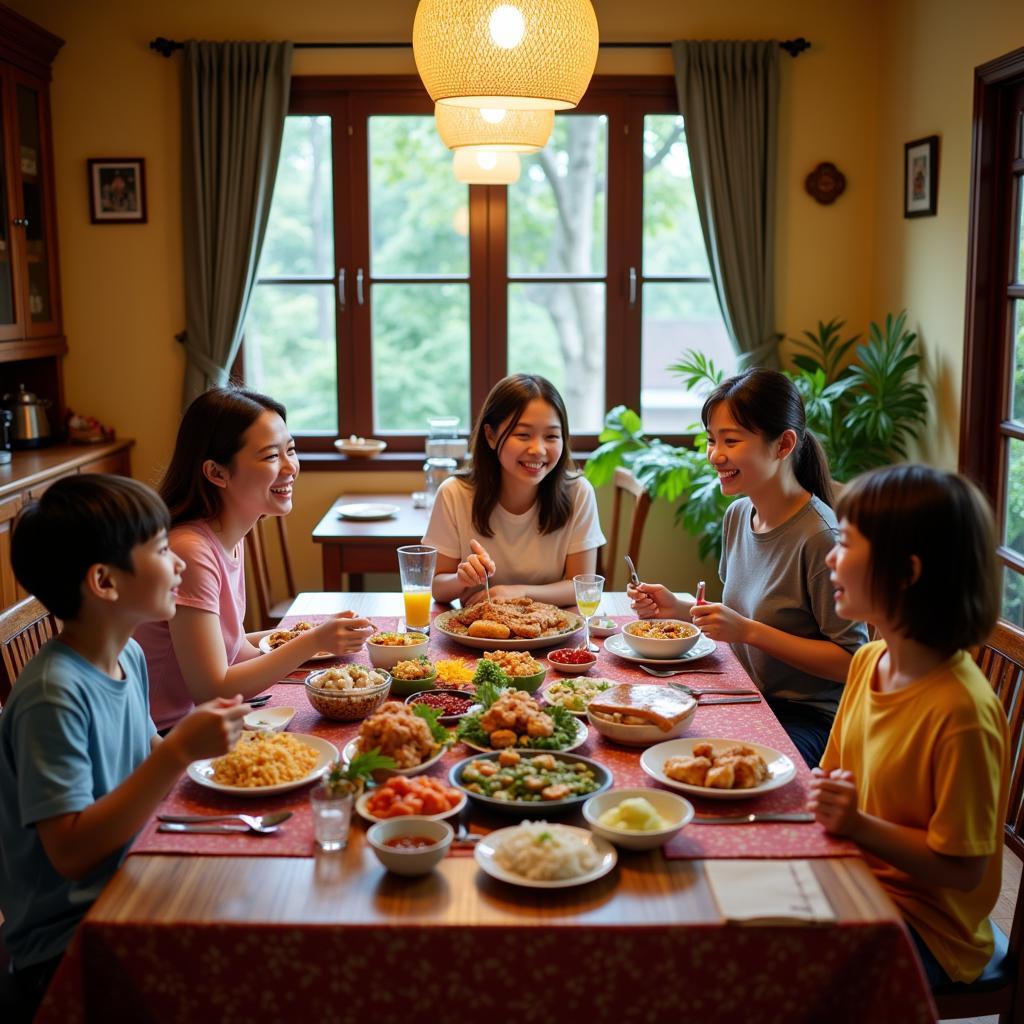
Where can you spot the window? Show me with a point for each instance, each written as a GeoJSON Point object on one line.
{"type": "Point", "coordinates": [992, 422]}
{"type": "Point", "coordinates": [388, 292]}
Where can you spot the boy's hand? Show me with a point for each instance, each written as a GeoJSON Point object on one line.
{"type": "Point", "coordinates": [652, 601]}
{"type": "Point", "coordinates": [834, 801]}
{"type": "Point", "coordinates": [342, 634]}
{"type": "Point", "coordinates": [720, 622]}
{"type": "Point", "coordinates": [477, 567]}
{"type": "Point", "coordinates": [210, 730]}
{"type": "Point", "coordinates": [502, 592]}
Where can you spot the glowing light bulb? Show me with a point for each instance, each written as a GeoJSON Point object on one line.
{"type": "Point", "coordinates": [492, 115]}
{"type": "Point", "coordinates": [487, 161]}
{"type": "Point", "coordinates": [507, 26]}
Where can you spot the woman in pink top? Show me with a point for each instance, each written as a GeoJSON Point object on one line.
{"type": "Point", "coordinates": [234, 461]}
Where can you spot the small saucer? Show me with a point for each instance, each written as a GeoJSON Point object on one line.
{"type": "Point", "coordinates": [603, 627]}
{"type": "Point", "coordinates": [274, 719]}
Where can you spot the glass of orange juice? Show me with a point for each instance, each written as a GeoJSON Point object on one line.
{"type": "Point", "coordinates": [416, 564]}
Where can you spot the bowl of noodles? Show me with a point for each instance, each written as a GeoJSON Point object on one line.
{"type": "Point", "coordinates": [264, 763]}
{"type": "Point", "coordinates": [660, 638]}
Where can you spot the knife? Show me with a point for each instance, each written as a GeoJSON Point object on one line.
{"type": "Point", "coordinates": [213, 830]}
{"type": "Point", "coordinates": [633, 578]}
{"type": "Point", "coordinates": [750, 819]}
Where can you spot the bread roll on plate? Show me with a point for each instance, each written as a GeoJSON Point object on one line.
{"type": "Point", "coordinates": [489, 630]}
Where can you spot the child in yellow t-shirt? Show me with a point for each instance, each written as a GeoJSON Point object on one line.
{"type": "Point", "coordinates": [916, 768]}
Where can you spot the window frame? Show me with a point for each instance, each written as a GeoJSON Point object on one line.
{"type": "Point", "coordinates": [350, 100]}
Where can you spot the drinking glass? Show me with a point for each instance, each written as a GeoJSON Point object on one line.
{"type": "Point", "coordinates": [416, 567]}
{"type": "Point", "coordinates": [332, 816]}
{"type": "Point", "coordinates": [589, 588]}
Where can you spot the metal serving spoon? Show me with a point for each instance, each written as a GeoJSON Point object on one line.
{"type": "Point", "coordinates": [264, 823]}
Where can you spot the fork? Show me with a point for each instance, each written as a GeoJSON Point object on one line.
{"type": "Point", "coordinates": [716, 690]}
{"type": "Point", "coordinates": [664, 673]}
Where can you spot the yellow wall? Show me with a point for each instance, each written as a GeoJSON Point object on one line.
{"type": "Point", "coordinates": [930, 49]}
{"type": "Point", "coordinates": [122, 285]}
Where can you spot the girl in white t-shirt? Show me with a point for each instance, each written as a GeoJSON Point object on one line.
{"type": "Point", "coordinates": [522, 518]}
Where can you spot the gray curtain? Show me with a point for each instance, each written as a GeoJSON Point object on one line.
{"type": "Point", "coordinates": [728, 96]}
{"type": "Point", "coordinates": [234, 102]}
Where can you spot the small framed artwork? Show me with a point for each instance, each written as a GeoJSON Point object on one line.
{"type": "Point", "coordinates": [921, 177]}
{"type": "Point", "coordinates": [117, 190]}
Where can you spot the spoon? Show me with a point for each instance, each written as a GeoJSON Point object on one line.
{"type": "Point", "coordinates": [464, 836]}
{"type": "Point", "coordinates": [264, 823]}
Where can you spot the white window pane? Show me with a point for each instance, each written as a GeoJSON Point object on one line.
{"type": "Point", "coordinates": [557, 330]}
{"type": "Point", "coordinates": [418, 211]}
{"type": "Point", "coordinates": [1013, 530]}
{"type": "Point", "coordinates": [290, 352]}
{"type": "Point", "coordinates": [557, 210]}
{"type": "Point", "coordinates": [420, 354]}
{"type": "Point", "coordinates": [300, 232]}
{"type": "Point", "coordinates": [677, 317]}
{"type": "Point", "coordinates": [1013, 596]}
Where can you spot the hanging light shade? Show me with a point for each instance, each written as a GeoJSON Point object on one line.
{"type": "Point", "coordinates": [503, 131]}
{"type": "Point", "coordinates": [512, 54]}
{"type": "Point", "coordinates": [484, 167]}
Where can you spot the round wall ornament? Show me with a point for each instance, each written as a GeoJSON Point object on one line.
{"type": "Point", "coordinates": [826, 183]}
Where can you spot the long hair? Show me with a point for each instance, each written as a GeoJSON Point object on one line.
{"type": "Point", "coordinates": [213, 427]}
{"type": "Point", "coordinates": [767, 402]}
{"type": "Point", "coordinates": [506, 401]}
{"type": "Point", "coordinates": [944, 520]}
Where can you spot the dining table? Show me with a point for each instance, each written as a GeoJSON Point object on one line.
{"type": "Point", "coordinates": [266, 928]}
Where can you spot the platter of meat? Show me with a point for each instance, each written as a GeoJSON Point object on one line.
{"type": "Point", "coordinates": [514, 624]}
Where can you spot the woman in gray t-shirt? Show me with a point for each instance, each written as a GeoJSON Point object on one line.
{"type": "Point", "coordinates": [777, 610]}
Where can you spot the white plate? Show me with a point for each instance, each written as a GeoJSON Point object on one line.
{"type": "Point", "coordinates": [781, 769]}
{"type": "Point", "coordinates": [485, 851]}
{"type": "Point", "coordinates": [265, 648]}
{"type": "Point", "coordinates": [352, 748]}
{"type": "Point", "coordinates": [480, 643]}
{"type": "Point", "coordinates": [582, 732]}
{"type": "Point", "coordinates": [364, 813]}
{"type": "Point", "coordinates": [367, 511]}
{"type": "Point", "coordinates": [327, 753]}
{"type": "Point", "coordinates": [701, 649]}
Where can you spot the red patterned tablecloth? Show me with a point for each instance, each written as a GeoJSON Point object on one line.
{"type": "Point", "coordinates": [753, 722]}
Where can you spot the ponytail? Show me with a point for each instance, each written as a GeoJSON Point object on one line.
{"type": "Point", "coordinates": [766, 402]}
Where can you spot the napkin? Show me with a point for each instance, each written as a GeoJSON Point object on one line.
{"type": "Point", "coordinates": [768, 891]}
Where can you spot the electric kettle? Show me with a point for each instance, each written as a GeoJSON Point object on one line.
{"type": "Point", "coordinates": [31, 425]}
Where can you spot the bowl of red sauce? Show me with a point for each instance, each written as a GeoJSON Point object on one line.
{"type": "Point", "coordinates": [410, 845]}
{"type": "Point", "coordinates": [452, 704]}
{"type": "Point", "coordinates": [572, 661]}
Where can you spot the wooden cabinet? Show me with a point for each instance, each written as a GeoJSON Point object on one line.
{"type": "Point", "coordinates": [28, 475]}
{"type": "Point", "coordinates": [31, 327]}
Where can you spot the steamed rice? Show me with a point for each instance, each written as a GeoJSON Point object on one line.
{"type": "Point", "coordinates": [545, 853]}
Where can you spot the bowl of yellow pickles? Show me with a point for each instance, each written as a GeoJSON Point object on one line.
{"type": "Point", "coordinates": [637, 819]}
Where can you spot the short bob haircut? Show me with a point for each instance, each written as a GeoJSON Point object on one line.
{"type": "Point", "coordinates": [80, 521]}
{"type": "Point", "coordinates": [944, 520]}
{"type": "Point", "coordinates": [213, 427]}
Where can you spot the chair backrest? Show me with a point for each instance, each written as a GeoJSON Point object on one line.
{"type": "Point", "coordinates": [1001, 658]}
{"type": "Point", "coordinates": [625, 484]}
{"type": "Point", "coordinates": [259, 562]}
{"type": "Point", "coordinates": [24, 628]}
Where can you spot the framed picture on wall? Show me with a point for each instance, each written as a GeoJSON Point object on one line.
{"type": "Point", "coordinates": [117, 190]}
{"type": "Point", "coordinates": [921, 177]}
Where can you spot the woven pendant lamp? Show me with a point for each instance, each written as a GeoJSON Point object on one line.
{"type": "Point", "coordinates": [502, 131]}
{"type": "Point", "coordinates": [511, 54]}
{"type": "Point", "coordinates": [483, 167]}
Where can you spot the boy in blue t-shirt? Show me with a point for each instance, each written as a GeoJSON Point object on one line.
{"type": "Point", "coordinates": [81, 768]}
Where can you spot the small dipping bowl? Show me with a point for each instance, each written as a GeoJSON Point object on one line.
{"type": "Point", "coordinates": [571, 668]}
{"type": "Point", "coordinates": [416, 861]}
{"type": "Point", "coordinates": [446, 719]}
{"type": "Point", "coordinates": [675, 811]}
{"type": "Point", "coordinates": [268, 719]}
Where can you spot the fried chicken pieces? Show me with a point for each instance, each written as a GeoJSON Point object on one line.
{"type": "Point", "coordinates": [733, 767]}
{"type": "Point", "coordinates": [400, 733]}
{"type": "Point", "coordinates": [515, 713]}
{"type": "Point", "coordinates": [525, 618]}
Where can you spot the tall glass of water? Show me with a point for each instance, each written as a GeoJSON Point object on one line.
{"type": "Point", "coordinates": [589, 588]}
{"type": "Point", "coordinates": [416, 564]}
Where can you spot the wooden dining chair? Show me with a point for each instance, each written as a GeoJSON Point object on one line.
{"type": "Point", "coordinates": [626, 486]}
{"type": "Point", "coordinates": [1000, 989]}
{"type": "Point", "coordinates": [24, 628]}
{"type": "Point", "coordinates": [270, 611]}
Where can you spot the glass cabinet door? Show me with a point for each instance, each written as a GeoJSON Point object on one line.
{"type": "Point", "coordinates": [8, 299]}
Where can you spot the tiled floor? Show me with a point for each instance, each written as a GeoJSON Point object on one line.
{"type": "Point", "coordinates": [1002, 915]}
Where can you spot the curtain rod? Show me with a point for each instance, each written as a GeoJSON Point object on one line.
{"type": "Point", "coordinates": [165, 47]}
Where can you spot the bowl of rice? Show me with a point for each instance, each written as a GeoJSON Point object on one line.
{"type": "Point", "coordinates": [347, 692]}
{"type": "Point", "coordinates": [660, 638]}
{"type": "Point", "coordinates": [388, 649]}
{"type": "Point", "coordinates": [543, 855]}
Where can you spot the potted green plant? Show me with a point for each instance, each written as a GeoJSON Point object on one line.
{"type": "Point", "coordinates": [865, 413]}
